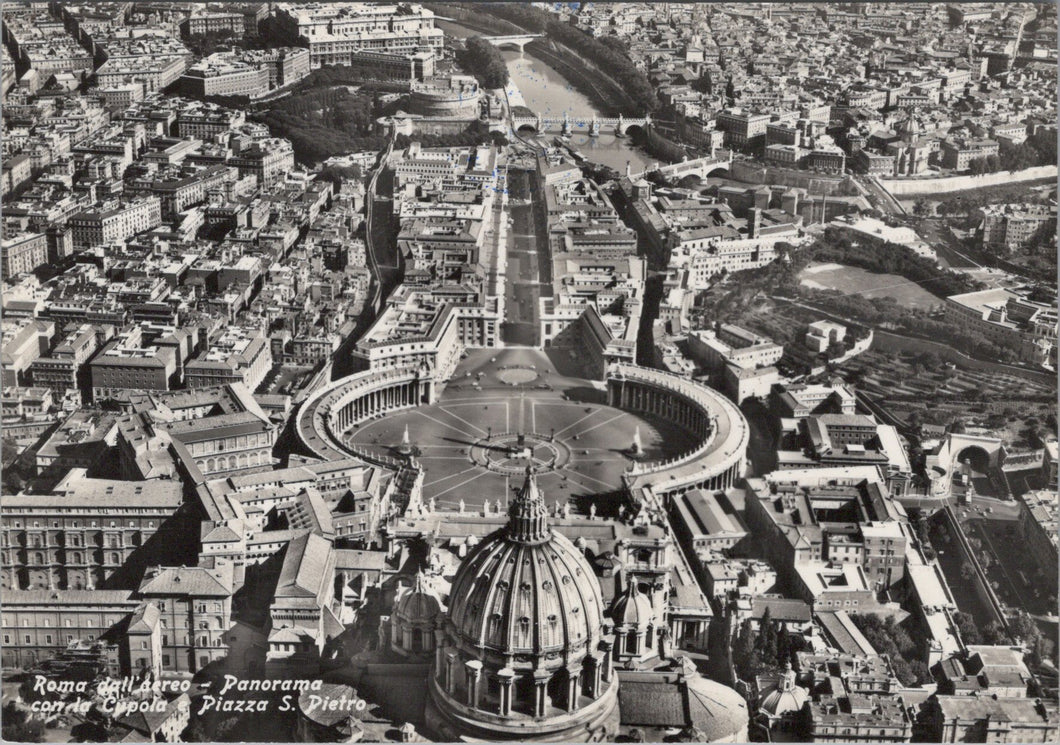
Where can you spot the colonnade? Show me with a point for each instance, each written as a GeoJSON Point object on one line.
{"type": "Point", "coordinates": [331, 411]}
{"type": "Point", "coordinates": [715, 482]}
{"type": "Point", "coordinates": [506, 692]}
{"type": "Point", "coordinates": [666, 404]}
{"type": "Point", "coordinates": [719, 458]}
{"type": "Point", "coordinates": [689, 631]}
{"type": "Point", "coordinates": [345, 414]}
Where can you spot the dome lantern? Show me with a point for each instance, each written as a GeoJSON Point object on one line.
{"type": "Point", "coordinates": [527, 516]}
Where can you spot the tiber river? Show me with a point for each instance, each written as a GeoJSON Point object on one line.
{"type": "Point", "coordinates": [546, 91]}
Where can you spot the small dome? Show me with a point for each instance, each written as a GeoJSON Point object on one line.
{"type": "Point", "coordinates": [717, 711]}
{"type": "Point", "coordinates": [908, 128]}
{"type": "Point", "coordinates": [418, 604]}
{"type": "Point", "coordinates": [783, 696]}
{"type": "Point", "coordinates": [633, 608]}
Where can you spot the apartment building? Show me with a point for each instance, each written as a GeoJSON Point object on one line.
{"type": "Point", "coordinates": [1009, 318]}
{"type": "Point", "coordinates": [195, 608]}
{"type": "Point", "coordinates": [226, 74]}
{"type": "Point", "coordinates": [61, 370]}
{"type": "Point", "coordinates": [38, 624]}
{"type": "Point", "coordinates": [1013, 227]}
{"type": "Point", "coordinates": [22, 253]}
{"type": "Point", "coordinates": [239, 355]}
{"type": "Point", "coordinates": [105, 226]}
{"type": "Point", "coordinates": [126, 365]}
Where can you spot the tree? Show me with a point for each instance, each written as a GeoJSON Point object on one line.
{"type": "Point", "coordinates": [890, 639]}
{"type": "Point", "coordinates": [337, 174]}
{"type": "Point", "coordinates": [1025, 629]}
{"type": "Point", "coordinates": [766, 643]}
{"type": "Point", "coordinates": [608, 57]}
{"type": "Point", "coordinates": [485, 62]}
{"type": "Point", "coordinates": [1018, 157]}
{"type": "Point", "coordinates": [835, 349]}
{"type": "Point", "coordinates": [19, 727]}
{"type": "Point", "coordinates": [967, 628]}
{"type": "Point", "coordinates": [993, 633]}
{"type": "Point", "coordinates": [703, 84]}
{"type": "Point", "coordinates": [744, 654]}
{"type": "Point", "coordinates": [930, 360]}
{"type": "Point", "coordinates": [784, 651]}
{"type": "Point", "coordinates": [203, 45]}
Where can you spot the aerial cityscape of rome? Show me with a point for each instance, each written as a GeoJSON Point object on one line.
{"type": "Point", "coordinates": [530, 372]}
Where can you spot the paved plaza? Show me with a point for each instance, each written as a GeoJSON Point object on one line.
{"type": "Point", "coordinates": [469, 441]}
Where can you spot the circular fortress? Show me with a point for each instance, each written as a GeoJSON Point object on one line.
{"type": "Point", "coordinates": [457, 97]}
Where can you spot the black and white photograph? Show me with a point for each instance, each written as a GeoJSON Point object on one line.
{"type": "Point", "coordinates": [479, 372]}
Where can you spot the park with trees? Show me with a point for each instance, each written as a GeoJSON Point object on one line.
{"type": "Point", "coordinates": [767, 650]}
{"type": "Point", "coordinates": [484, 61]}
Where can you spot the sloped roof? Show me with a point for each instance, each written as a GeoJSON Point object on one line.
{"type": "Point", "coordinates": [149, 722]}
{"type": "Point", "coordinates": [145, 619]}
{"type": "Point", "coordinates": [307, 565]}
{"type": "Point", "coordinates": [193, 581]}
{"type": "Point", "coordinates": [653, 704]}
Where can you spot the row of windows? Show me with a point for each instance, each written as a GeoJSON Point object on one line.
{"type": "Point", "coordinates": [50, 639]}
{"type": "Point", "coordinates": [114, 541]}
{"type": "Point", "coordinates": [28, 639]}
{"type": "Point", "coordinates": [94, 523]}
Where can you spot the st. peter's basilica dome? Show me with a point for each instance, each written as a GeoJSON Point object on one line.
{"type": "Point", "coordinates": [522, 653]}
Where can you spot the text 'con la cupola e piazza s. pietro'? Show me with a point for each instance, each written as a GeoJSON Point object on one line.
{"type": "Point", "coordinates": [528, 372]}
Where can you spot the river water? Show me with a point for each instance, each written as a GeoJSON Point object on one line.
{"type": "Point", "coordinates": [545, 90]}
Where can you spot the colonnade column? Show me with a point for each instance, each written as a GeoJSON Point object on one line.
{"type": "Point", "coordinates": [450, 670]}
{"type": "Point", "coordinates": [541, 701]}
{"type": "Point", "coordinates": [439, 650]}
{"type": "Point", "coordinates": [506, 679]}
{"type": "Point", "coordinates": [677, 628]}
{"type": "Point", "coordinates": [473, 668]}
{"type": "Point", "coordinates": [573, 684]}
{"type": "Point", "coordinates": [606, 670]}
{"type": "Point", "coordinates": [595, 664]}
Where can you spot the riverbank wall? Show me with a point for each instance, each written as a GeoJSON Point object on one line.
{"type": "Point", "coordinates": [585, 77]}
{"type": "Point", "coordinates": [917, 186]}
{"type": "Point", "coordinates": [750, 172]}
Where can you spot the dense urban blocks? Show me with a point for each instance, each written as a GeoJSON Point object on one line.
{"type": "Point", "coordinates": [364, 379]}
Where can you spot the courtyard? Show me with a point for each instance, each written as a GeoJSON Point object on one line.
{"type": "Point", "coordinates": [506, 410]}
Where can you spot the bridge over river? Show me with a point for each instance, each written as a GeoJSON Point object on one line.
{"type": "Point", "coordinates": [592, 124]}
{"type": "Point", "coordinates": [516, 41]}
